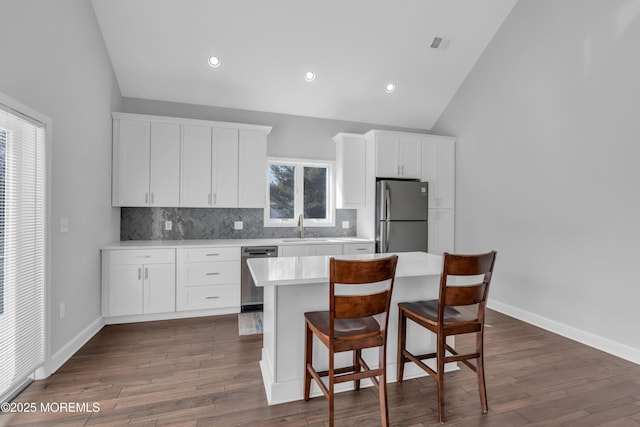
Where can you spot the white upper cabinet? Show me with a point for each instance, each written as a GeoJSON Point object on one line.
{"type": "Point", "coordinates": [196, 167]}
{"type": "Point", "coordinates": [209, 167]}
{"type": "Point", "coordinates": [164, 168]}
{"type": "Point", "coordinates": [438, 169]}
{"type": "Point", "coordinates": [171, 162]}
{"type": "Point", "coordinates": [397, 154]}
{"type": "Point", "coordinates": [131, 162]}
{"type": "Point", "coordinates": [252, 174]}
{"type": "Point", "coordinates": [351, 178]}
{"type": "Point", "coordinates": [224, 168]}
{"type": "Point", "coordinates": [146, 168]}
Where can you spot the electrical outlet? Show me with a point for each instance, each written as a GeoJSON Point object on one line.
{"type": "Point", "coordinates": [237, 225]}
{"type": "Point", "coordinates": [345, 224]}
{"type": "Point", "coordinates": [61, 311]}
{"type": "Point", "coordinates": [168, 225]}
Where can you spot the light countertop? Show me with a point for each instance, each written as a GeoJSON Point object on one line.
{"type": "Point", "coordinates": [168, 244]}
{"type": "Point", "coordinates": [315, 269]}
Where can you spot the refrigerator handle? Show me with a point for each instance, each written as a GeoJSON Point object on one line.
{"type": "Point", "coordinates": [386, 239]}
{"type": "Point", "coordinates": [387, 201]}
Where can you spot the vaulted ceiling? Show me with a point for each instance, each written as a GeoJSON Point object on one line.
{"type": "Point", "coordinates": [159, 50]}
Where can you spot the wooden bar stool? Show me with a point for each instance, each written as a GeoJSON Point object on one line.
{"type": "Point", "coordinates": [458, 310]}
{"type": "Point", "coordinates": [358, 317]}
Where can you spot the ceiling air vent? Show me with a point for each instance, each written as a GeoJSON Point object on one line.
{"type": "Point", "coordinates": [439, 43]}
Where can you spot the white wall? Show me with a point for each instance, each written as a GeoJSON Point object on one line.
{"type": "Point", "coordinates": [547, 167]}
{"type": "Point", "coordinates": [53, 59]}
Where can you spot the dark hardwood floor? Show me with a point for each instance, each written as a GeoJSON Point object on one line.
{"type": "Point", "coordinates": [199, 372]}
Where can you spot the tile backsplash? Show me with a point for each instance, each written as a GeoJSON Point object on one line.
{"type": "Point", "coordinates": [203, 223]}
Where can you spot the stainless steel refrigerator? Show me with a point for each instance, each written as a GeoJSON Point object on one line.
{"type": "Point", "coordinates": [401, 216]}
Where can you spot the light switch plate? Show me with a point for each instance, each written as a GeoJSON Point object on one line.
{"type": "Point", "coordinates": [345, 224]}
{"type": "Point", "coordinates": [168, 225]}
{"type": "Point", "coordinates": [237, 225]}
{"type": "Point", "coordinates": [64, 225]}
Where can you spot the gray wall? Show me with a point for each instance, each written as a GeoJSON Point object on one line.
{"type": "Point", "coordinates": [54, 61]}
{"type": "Point", "coordinates": [547, 167]}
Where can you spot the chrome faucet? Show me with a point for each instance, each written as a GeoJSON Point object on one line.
{"type": "Point", "coordinates": [301, 225]}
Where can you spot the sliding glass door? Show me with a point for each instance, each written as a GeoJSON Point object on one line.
{"type": "Point", "coordinates": [22, 248]}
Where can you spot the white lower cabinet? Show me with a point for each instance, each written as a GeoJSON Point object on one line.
{"type": "Point", "coordinates": [138, 282]}
{"type": "Point", "coordinates": [310, 250]}
{"type": "Point", "coordinates": [359, 248]}
{"type": "Point", "coordinates": [441, 231]}
{"type": "Point", "coordinates": [208, 278]}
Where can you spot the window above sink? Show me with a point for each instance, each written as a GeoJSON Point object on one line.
{"type": "Point", "coordinates": [299, 187]}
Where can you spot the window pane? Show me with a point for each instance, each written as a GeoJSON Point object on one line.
{"type": "Point", "coordinates": [281, 191]}
{"type": "Point", "coordinates": [315, 193]}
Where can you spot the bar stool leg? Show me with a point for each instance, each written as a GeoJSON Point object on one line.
{"type": "Point", "coordinates": [402, 342]}
{"type": "Point", "coordinates": [308, 360]}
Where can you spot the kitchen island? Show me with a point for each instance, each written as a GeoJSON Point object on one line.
{"type": "Point", "coordinates": [295, 285]}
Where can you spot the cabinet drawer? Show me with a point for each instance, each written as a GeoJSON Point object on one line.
{"type": "Point", "coordinates": [204, 297]}
{"type": "Point", "coordinates": [147, 256]}
{"type": "Point", "coordinates": [211, 254]}
{"type": "Point", "coordinates": [211, 273]}
{"type": "Point", "coordinates": [358, 248]}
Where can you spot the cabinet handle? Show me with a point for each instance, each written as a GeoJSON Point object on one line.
{"type": "Point", "coordinates": [360, 249]}
{"type": "Point", "coordinates": [398, 167]}
{"type": "Point", "coordinates": [139, 273]}
{"type": "Point", "coordinates": [213, 254]}
{"type": "Point", "coordinates": [215, 198]}
{"type": "Point", "coordinates": [209, 199]}
{"type": "Point", "coordinates": [211, 297]}
{"type": "Point", "coordinates": [212, 274]}
{"type": "Point", "coordinates": [146, 198]}
{"type": "Point", "coordinates": [402, 170]}
{"type": "Point", "coordinates": [146, 273]}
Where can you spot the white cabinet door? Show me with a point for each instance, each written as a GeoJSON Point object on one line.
{"type": "Point", "coordinates": [359, 248]}
{"type": "Point", "coordinates": [164, 174]}
{"type": "Point", "coordinates": [125, 289]}
{"type": "Point", "coordinates": [296, 250]}
{"type": "Point", "coordinates": [224, 169]}
{"type": "Point", "coordinates": [387, 162]}
{"type": "Point", "coordinates": [441, 231]}
{"type": "Point", "coordinates": [159, 288]}
{"type": "Point", "coordinates": [397, 155]}
{"type": "Point", "coordinates": [132, 148]}
{"type": "Point", "coordinates": [196, 167]}
{"type": "Point", "coordinates": [328, 250]}
{"type": "Point", "coordinates": [438, 169]}
{"type": "Point", "coordinates": [138, 282]}
{"type": "Point", "coordinates": [409, 155]}
{"type": "Point", "coordinates": [351, 179]}
{"type": "Point", "coordinates": [252, 174]}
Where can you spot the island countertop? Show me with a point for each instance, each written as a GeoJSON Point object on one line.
{"type": "Point", "coordinates": [296, 285]}
{"type": "Point", "coordinates": [315, 269]}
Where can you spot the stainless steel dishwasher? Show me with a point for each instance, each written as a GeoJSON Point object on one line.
{"type": "Point", "coordinates": [250, 294]}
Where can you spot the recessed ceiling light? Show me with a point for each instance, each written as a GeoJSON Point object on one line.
{"type": "Point", "coordinates": [310, 76]}
{"type": "Point", "coordinates": [214, 61]}
{"type": "Point", "coordinates": [390, 87]}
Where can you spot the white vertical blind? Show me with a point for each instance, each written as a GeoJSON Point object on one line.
{"type": "Point", "coordinates": [22, 248]}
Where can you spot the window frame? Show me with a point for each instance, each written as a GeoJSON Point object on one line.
{"type": "Point", "coordinates": [298, 206]}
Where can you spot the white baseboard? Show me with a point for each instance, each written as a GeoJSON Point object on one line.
{"type": "Point", "coordinates": [61, 356]}
{"type": "Point", "coordinates": [608, 346]}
